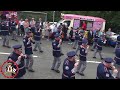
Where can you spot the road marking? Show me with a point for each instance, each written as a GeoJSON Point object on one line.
{"type": "Point", "coordinates": [37, 56]}
{"type": "Point", "coordinates": [93, 62]}
{"type": "Point", "coordinates": [9, 54]}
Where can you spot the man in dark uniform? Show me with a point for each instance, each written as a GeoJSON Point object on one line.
{"type": "Point", "coordinates": [117, 43]}
{"type": "Point", "coordinates": [103, 69]}
{"type": "Point", "coordinates": [27, 40]}
{"type": "Point", "coordinates": [117, 61]}
{"type": "Point", "coordinates": [60, 39]}
{"type": "Point", "coordinates": [18, 57]}
{"type": "Point", "coordinates": [83, 57]}
{"type": "Point", "coordinates": [100, 42]}
{"type": "Point", "coordinates": [70, 66]}
{"type": "Point", "coordinates": [13, 29]}
{"type": "Point", "coordinates": [56, 53]}
{"type": "Point", "coordinates": [71, 36]}
{"type": "Point", "coordinates": [5, 34]}
{"type": "Point", "coordinates": [90, 37]}
{"type": "Point", "coordinates": [79, 41]}
{"type": "Point", "coordinates": [95, 38]}
{"type": "Point", "coordinates": [76, 39]}
{"type": "Point", "coordinates": [37, 38]}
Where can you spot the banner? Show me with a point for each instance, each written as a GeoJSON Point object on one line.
{"type": "Point", "coordinates": [76, 23]}
{"type": "Point", "coordinates": [97, 25]}
{"type": "Point", "coordinates": [89, 25]}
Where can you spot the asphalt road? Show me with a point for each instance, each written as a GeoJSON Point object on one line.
{"type": "Point", "coordinates": [43, 61]}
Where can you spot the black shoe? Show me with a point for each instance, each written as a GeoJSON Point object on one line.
{"type": "Point", "coordinates": [57, 71]}
{"type": "Point", "coordinates": [40, 43]}
{"type": "Point", "coordinates": [41, 51]}
{"type": "Point", "coordinates": [8, 46]}
{"type": "Point", "coordinates": [101, 58]}
{"type": "Point", "coordinates": [16, 40]}
{"type": "Point", "coordinates": [94, 57]}
{"type": "Point", "coordinates": [34, 50]}
{"type": "Point", "coordinates": [81, 74]}
{"type": "Point", "coordinates": [31, 70]}
{"type": "Point", "coordinates": [3, 45]}
{"type": "Point", "coordinates": [92, 50]}
{"type": "Point", "coordinates": [62, 54]}
{"type": "Point", "coordinates": [52, 69]}
{"type": "Point", "coordinates": [74, 48]}
{"type": "Point", "coordinates": [12, 39]}
{"type": "Point", "coordinates": [77, 72]}
{"type": "Point", "coordinates": [76, 54]}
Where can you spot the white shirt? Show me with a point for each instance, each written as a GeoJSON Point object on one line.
{"type": "Point", "coordinates": [54, 29]}
{"type": "Point", "coordinates": [32, 23]}
{"type": "Point", "coordinates": [21, 22]}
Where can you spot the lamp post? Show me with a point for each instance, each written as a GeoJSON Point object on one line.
{"type": "Point", "coordinates": [53, 16]}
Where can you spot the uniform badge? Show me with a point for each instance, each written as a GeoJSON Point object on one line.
{"type": "Point", "coordinates": [67, 68]}
{"type": "Point", "coordinates": [83, 50]}
{"type": "Point", "coordinates": [54, 44]}
{"type": "Point", "coordinates": [24, 40]}
{"type": "Point", "coordinates": [107, 75]}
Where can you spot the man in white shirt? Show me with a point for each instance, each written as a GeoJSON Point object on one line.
{"type": "Point", "coordinates": [21, 22]}
{"type": "Point", "coordinates": [108, 34]}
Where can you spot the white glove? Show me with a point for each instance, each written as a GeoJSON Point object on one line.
{"type": "Point", "coordinates": [115, 71]}
{"type": "Point", "coordinates": [76, 64]}
{"type": "Point", "coordinates": [60, 41]}
{"type": "Point", "coordinates": [22, 55]}
{"type": "Point", "coordinates": [74, 70]}
{"type": "Point", "coordinates": [18, 61]}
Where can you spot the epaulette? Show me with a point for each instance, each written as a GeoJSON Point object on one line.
{"type": "Point", "coordinates": [53, 40]}
{"type": "Point", "coordinates": [24, 37]}
{"type": "Point", "coordinates": [67, 62]}
{"type": "Point", "coordinates": [106, 70]}
{"type": "Point", "coordinates": [10, 56]}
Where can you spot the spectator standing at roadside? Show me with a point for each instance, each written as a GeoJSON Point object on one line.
{"type": "Point", "coordinates": [21, 27]}
{"type": "Point", "coordinates": [26, 25]}
{"type": "Point", "coordinates": [84, 26]}
{"type": "Point", "coordinates": [32, 25]}
{"type": "Point", "coordinates": [48, 30]}
{"type": "Point", "coordinates": [40, 23]}
{"type": "Point", "coordinates": [108, 34]}
{"type": "Point", "coordinates": [55, 30]}
{"type": "Point", "coordinates": [64, 29]}
{"type": "Point", "coordinates": [14, 31]}
{"type": "Point", "coordinates": [71, 36]}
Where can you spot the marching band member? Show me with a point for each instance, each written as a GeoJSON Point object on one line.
{"type": "Point", "coordinates": [83, 57]}
{"type": "Point", "coordinates": [70, 66]}
{"type": "Point", "coordinates": [56, 53]}
{"type": "Point", "coordinates": [103, 69]}
{"type": "Point", "coordinates": [18, 57]}
{"type": "Point", "coordinates": [27, 40]}
{"type": "Point", "coordinates": [100, 42]}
